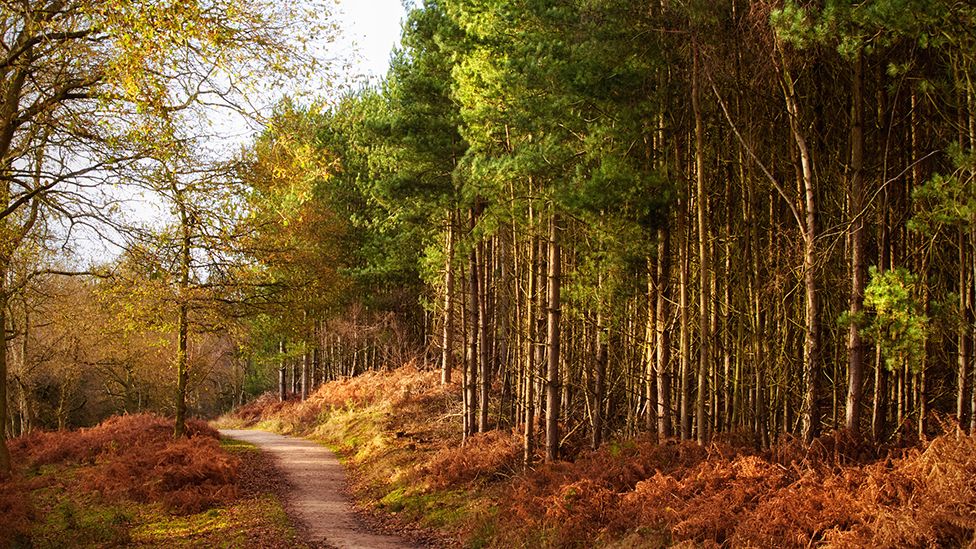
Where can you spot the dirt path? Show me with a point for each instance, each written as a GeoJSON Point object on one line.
{"type": "Point", "coordinates": [318, 499]}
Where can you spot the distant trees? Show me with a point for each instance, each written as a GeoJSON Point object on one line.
{"type": "Point", "coordinates": [83, 349]}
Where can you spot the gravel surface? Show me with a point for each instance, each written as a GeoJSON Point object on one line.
{"type": "Point", "coordinates": [318, 495]}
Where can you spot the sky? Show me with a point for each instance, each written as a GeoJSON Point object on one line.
{"type": "Point", "coordinates": [370, 29]}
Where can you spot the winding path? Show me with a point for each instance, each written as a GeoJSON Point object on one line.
{"type": "Point", "coordinates": [318, 499]}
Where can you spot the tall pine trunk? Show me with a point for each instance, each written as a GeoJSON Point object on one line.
{"type": "Point", "coordinates": [471, 380]}
{"type": "Point", "coordinates": [447, 337]}
{"type": "Point", "coordinates": [484, 368]}
{"type": "Point", "coordinates": [600, 375]}
{"type": "Point", "coordinates": [809, 410]}
{"type": "Point", "coordinates": [704, 264]}
{"type": "Point", "coordinates": [855, 347]}
{"type": "Point", "coordinates": [531, 364]}
{"type": "Point", "coordinates": [663, 359]}
{"type": "Point", "coordinates": [552, 342]}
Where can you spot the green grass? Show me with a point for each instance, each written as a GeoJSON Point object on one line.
{"type": "Point", "coordinates": [235, 446]}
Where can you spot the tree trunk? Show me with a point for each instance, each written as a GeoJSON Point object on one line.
{"type": "Point", "coordinates": [471, 382]}
{"type": "Point", "coordinates": [810, 413]}
{"type": "Point", "coordinates": [552, 342]}
{"type": "Point", "coordinates": [963, 339]}
{"type": "Point", "coordinates": [4, 451]}
{"type": "Point", "coordinates": [704, 263]}
{"type": "Point", "coordinates": [855, 347]}
{"type": "Point", "coordinates": [318, 375]}
{"type": "Point", "coordinates": [531, 366]}
{"type": "Point", "coordinates": [684, 344]}
{"type": "Point", "coordinates": [447, 338]}
{"type": "Point", "coordinates": [484, 370]}
{"type": "Point", "coordinates": [503, 316]}
{"type": "Point", "coordinates": [306, 360]}
{"type": "Point", "coordinates": [282, 386]}
{"type": "Point", "coordinates": [182, 362]}
{"type": "Point", "coordinates": [599, 378]}
{"type": "Point", "coordinates": [663, 358]}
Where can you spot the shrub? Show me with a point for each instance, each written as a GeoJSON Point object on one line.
{"type": "Point", "coordinates": [16, 512]}
{"type": "Point", "coordinates": [485, 456]}
{"type": "Point", "coordinates": [136, 457]}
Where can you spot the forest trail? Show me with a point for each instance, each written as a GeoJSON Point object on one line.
{"type": "Point", "coordinates": [318, 499]}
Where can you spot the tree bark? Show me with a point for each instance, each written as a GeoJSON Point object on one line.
{"type": "Point", "coordinates": [282, 386]}
{"type": "Point", "coordinates": [552, 342]}
{"type": "Point", "coordinates": [4, 451]}
{"type": "Point", "coordinates": [531, 366]}
{"type": "Point", "coordinates": [182, 362]}
{"type": "Point", "coordinates": [684, 344]}
{"type": "Point", "coordinates": [306, 360]}
{"type": "Point", "coordinates": [704, 263]}
{"type": "Point", "coordinates": [855, 347]}
{"type": "Point", "coordinates": [471, 382]}
{"type": "Point", "coordinates": [963, 339]}
{"type": "Point", "coordinates": [484, 369]}
{"type": "Point", "coordinates": [809, 411]}
{"type": "Point", "coordinates": [447, 337]}
{"type": "Point", "coordinates": [599, 378]}
{"type": "Point", "coordinates": [663, 358]}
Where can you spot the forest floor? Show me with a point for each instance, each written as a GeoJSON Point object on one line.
{"type": "Point", "coordinates": [317, 494]}
{"type": "Point", "coordinates": [128, 483]}
{"type": "Point", "coordinates": [398, 433]}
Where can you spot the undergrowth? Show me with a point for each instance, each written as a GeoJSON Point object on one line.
{"type": "Point", "coordinates": [399, 432]}
{"type": "Point", "coordinates": [126, 482]}
{"type": "Point", "coordinates": [135, 457]}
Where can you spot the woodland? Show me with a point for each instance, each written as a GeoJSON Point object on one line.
{"type": "Point", "coordinates": [745, 222]}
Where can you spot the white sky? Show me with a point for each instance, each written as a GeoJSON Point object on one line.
{"type": "Point", "coordinates": [373, 28]}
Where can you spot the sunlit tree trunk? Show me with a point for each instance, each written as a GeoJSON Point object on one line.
{"type": "Point", "coordinates": [663, 358]}
{"type": "Point", "coordinates": [306, 372]}
{"type": "Point", "coordinates": [704, 264]}
{"type": "Point", "coordinates": [471, 381]}
{"type": "Point", "coordinates": [484, 363]}
{"type": "Point", "coordinates": [809, 410]}
{"type": "Point", "coordinates": [684, 343]}
{"type": "Point", "coordinates": [447, 338]}
{"type": "Point", "coordinates": [552, 342]}
{"type": "Point", "coordinates": [282, 386]}
{"type": "Point", "coordinates": [531, 365]}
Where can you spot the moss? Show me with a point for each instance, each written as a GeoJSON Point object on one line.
{"type": "Point", "coordinates": [235, 446]}
{"type": "Point", "coordinates": [72, 523]}
{"type": "Point", "coordinates": [233, 526]}
{"type": "Point", "coordinates": [394, 500]}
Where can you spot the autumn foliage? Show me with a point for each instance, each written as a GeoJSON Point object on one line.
{"type": "Point", "coordinates": [394, 389]}
{"type": "Point", "coordinates": [135, 457]}
{"type": "Point", "coordinates": [484, 457]}
{"type": "Point", "coordinates": [838, 491]}
{"type": "Point", "coordinates": [662, 494]}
